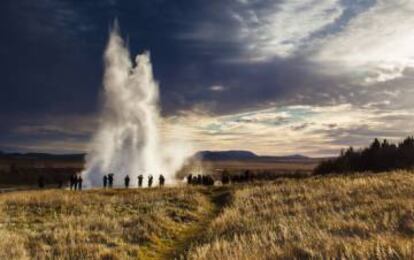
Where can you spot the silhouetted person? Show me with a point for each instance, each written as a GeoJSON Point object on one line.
{"type": "Point", "coordinates": [162, 180]}
{"type": "Point", "coordinates": [247, 176]}
{"type": "Point", "coordinates": [73, 182]}
{"type": "Point", "coordinates": [105, 181]}
{"type": "Point", "coordinates": [189, 179]}
{"type": "Point", "coordinates": [140, 179]}
{"type": "Point", "coordinates": [150, 178]}
{"type": "Point", "coordinates": [79, 181]}
{"type": "Point", "coordinates": [205, 180]}
{"type": "Point", "coordinates": [126, 180]}
{"type": "Point", "coordinates": [76, 185]}
{"type": "Point", "coordinates": [41, 182]}
{"type": "Point", "coordinates": [111, 180]}
{"type": "Point", "coordinates": [209, 181]}
{"type": "Point", "coordinates": [225, 178]}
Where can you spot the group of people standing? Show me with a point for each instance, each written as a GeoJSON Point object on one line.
{"type": "Point", "coordinates": [108, 180]}
{"type": "Point", "coordinates": [205, 180]}
{"type": "Point", "coordinates": [226, 178]}
{"type": "Point", "coordinates": [75, 182]}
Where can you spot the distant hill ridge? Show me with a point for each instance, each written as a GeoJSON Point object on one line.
{"type": "Point", "coordinates": [42, 156]}
{"type": "Point", "coordinates": [201, 155]}
{"type": "Point", "coordinates": [242, 155]}
{"type": "Point", "coordinates": [224, 155]}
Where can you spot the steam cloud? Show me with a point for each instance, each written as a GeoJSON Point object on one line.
{"type": "Point", "coordinates": [128, 138]}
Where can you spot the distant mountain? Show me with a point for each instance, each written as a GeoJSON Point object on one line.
{"type": "Point", "coordinates": [224, 155]}
{"type": "Point", "coordinates": [243, 155]}
{"type": "Point", "coordinates": [236, 155]}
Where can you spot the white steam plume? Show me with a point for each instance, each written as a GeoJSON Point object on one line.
{"type": "Point", "coordinates": [128, 140]}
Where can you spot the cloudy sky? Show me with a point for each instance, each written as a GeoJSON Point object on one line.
{"type": "Point", "coordinates": [275, 77]}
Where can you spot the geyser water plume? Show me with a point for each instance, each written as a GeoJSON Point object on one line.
{"type": "Point", "coordinates": [128, 140]}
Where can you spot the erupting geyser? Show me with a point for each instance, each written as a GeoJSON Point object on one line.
{"type": "Point", "coordinates": [128, 140]}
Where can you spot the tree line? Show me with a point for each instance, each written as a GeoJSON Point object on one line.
{"type": "Point", "coordinates": [378, 156]}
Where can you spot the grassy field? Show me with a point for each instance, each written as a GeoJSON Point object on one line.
{"type": "Point", "coordinates": [115, 224]}
{"type": "Point", "coordinates": [26, 172]}
{"type": "Point", "coordinates": [268, 168]}
{"type": "Point", "coordinates": [363, 217]}
{"type": "Point", "coordinates": [350, 217]}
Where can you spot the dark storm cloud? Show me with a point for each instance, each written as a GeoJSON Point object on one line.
{"type": "Point", "coordinates": [223, 35]}
{"type": "Point", "coordinates": [223, 57]}
{"type": "Point", "coordinates": [51, 58]}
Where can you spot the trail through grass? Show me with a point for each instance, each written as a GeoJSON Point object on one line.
{"type": "Point", "coordinates": [218, 198]}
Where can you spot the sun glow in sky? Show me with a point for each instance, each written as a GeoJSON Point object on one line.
{"type": "Point", "coordinates": [273, 77]}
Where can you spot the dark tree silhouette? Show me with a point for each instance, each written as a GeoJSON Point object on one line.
{"type": "Point", "coordinates": [379, 156]}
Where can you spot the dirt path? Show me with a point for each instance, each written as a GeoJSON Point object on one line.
{"type": "Point", "coordinates": [218, 197]}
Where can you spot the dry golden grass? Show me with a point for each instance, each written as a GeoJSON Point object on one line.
{"type": "Point", "coordinates": [354, 217]}
{"type": "Point", "coordinates": [115, 224]}
{"type": "Point", "coordinates": [338, 217]}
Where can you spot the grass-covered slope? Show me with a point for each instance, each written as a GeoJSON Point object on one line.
{"type": "Point", "coordinates": [363, 217]}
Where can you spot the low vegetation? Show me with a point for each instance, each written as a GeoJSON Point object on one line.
{"type": "Point", "coordinates": [357, 216]}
